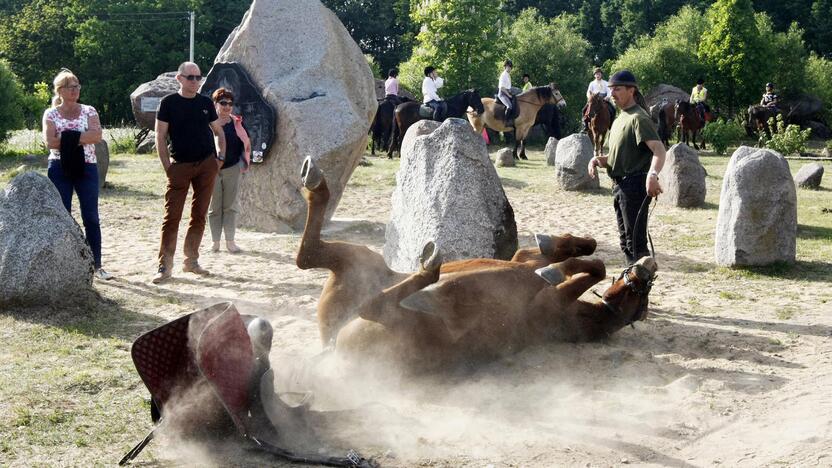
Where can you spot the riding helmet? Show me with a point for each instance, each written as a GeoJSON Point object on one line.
{"type": "Point", "coordinates": [429, 70]}
{"type": "Point", "coordinates": [770, 85]}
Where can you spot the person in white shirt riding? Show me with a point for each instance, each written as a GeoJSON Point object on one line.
{"type": "Point", "coordinates": [430, 87]}
{"type": "Point", "coordinates": [597, 86]}
{"type": "Point", "coordinates": [504, 89]}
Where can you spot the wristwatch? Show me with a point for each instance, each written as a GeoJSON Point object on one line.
{"type": "Point", "coordinates": [653, 173]}
{"type": "Point", "coordinates": [221, 157]}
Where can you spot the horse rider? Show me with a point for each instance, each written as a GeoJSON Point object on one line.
{"type": "Point", "coordinates": [391, 87]}
{"type": "Point", "coordinates": [597, 86]}
{"type": "Point", "coordinates": [698, 95]}
{"type": "Point", "coordinates": [770, 98]}
{"type": "Point", "coordinates": [504, 91]}
{"type": "Point", "coordinates": [430, 85]}
{"type": "Point", "coordinates": [635, 159]}
{"type": "Point", "coordinates": [527, 84]}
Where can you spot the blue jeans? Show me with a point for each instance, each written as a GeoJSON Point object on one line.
{"type": "Point", "coordinates": [87, 189]}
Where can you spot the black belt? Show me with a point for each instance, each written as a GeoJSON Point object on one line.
{"type": "Point", "coordinates": [619, 180]}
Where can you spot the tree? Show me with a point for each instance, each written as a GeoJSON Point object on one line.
{"type": "Point", "coordinates": [820, 28]}
{"type": "Point", "coordinates": [458, 37]}
{"type": "Point", "coordinates": [785, 57]}
{"type": "Point", "coordinates": [669, 56]}
{"type": "Point", "coordinates": [551, 50]}
{"type": "Point", "coordinates": [819, 81]}
{"type": "Point", "coordinates": [11, 117]}
{"type": "Point", "coordinates": [731, 48]}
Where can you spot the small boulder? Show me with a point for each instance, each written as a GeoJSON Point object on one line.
{"type": "Point", "coordinates": [102, 158]}
{"type": "Point", "coordinates": [145, 99]}
{"type": "Point", "coordinates": [683, 177]}
{"type": "Point", "coordinates": [505, 158]}
{"type": "Point", "coordinates": [809, 176]}
{"type": "Point", "coordinates": [44, 258]}
{"type": "Point", "coordinates": [148, 144]}
{"type": "Point", "coordinates": [757, 221]}
{"type": "Point", "coordinates": [448, 191]}
{"type": "Point", "coordinates": [572, 157]}
{"type": "Point", "coordinates": [551, 151]}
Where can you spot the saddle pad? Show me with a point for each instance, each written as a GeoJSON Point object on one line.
{"type": "Point", "coordinates": [425, 112]}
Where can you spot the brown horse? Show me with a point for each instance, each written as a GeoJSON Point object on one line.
{"type": "Point", "coordinates": [408, 113]}
{"type": "Point", "coordinates": [599, 122]}
{"type": "Point", "coordinates": [689, 123]}
{"type": "Point", "coordinates": [666, 121]}
{"type": "Point", "coordinates": [758, 118]}
{"type": "Point", "coordinates": [529, 103]}
{"type": "Point", "coordinates": [462, 311]}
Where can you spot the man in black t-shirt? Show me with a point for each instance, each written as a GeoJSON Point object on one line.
{"type": "Point", "coordinates": [190, 120]}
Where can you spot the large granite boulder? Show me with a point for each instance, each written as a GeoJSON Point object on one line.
{"type": "Point", "coordinates": [102, 158]}
{"type": "Point", "coordinates": [505, 158]}
{"type": "Point", "coordinates": [316, 78]}
{"type": "Point", "coordinates": [44, 258]}
{"type": "Point", "coordinates": [757, 221]}
{"type": "Point", "coordinates": [665, 92]}
{"type": "Point", "coordinates": [551, 151]}
{"type": "Point", "coordinates": [572, 157]}
{"type": "Point", "coordinates": [683, 177]}
{"type": "Point", "coordinates": [145, 99]}
{"type": "Point", "coordinates": [809, 176]}
{"type": "Point", "coordinates": [447, 191]}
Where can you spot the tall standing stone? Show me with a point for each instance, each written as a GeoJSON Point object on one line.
{"type": "Point", "coordinates": [683, 177]}
{"type": "Point", "coordinates": [316, 78]}
{"type": "Point", "coordinates": [44, 258]}
{"type": "Point", "coordinates": [447, 191]}
{"type": "Point", "coordinates": [757, 222]}
{"type": "Point", "coordinates": [571, 161]}
{"type": "Point", "coordinates": [102, 158]}
{"type": "Point", "coordinates": [551, 151]}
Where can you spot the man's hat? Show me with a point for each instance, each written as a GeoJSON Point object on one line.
{"type": "Point", "coordinates": [598, 70]}
{"type": "Point", "coordinates": [623, 78]}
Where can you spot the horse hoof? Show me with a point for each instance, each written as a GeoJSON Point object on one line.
{"type": "Point", "coordinates": [545, 244]}
{"type": "Point", "coordinates": [551, 274]}
{"type": "Point", "coordinates": [431, 257]}
{"type": "Point", "coordinates": [523, 156]}
{"type": "Point", "coordinates": [310, 176]}
{"type": "Point", "coordinates": [260, 331]}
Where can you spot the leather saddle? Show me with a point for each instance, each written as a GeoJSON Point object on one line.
{"type": "Point", "coordinates": [426, 112]}
{"type": "Point", "coordinates": [500, 109]}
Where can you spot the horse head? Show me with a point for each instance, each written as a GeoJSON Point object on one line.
{"type": "Point", "coordinates": [474, 101]}
{"type": "Point", "coordinates": [627, 297]}
{"type": "Point", "coordinates": [596, 104]}
{"type": "Point", "coordinates": [557, 98]}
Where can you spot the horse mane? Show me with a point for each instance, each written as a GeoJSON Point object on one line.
{"type": "Point", "coordinates": [544, 93]}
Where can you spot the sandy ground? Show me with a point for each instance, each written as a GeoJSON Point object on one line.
{"type": "Point", "coordinates": [714, 376]}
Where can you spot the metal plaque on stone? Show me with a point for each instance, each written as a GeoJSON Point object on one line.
{"type": "Point", "coordinates": [150, 104]}
{"type": "Point", "coordinates": [259, 118]}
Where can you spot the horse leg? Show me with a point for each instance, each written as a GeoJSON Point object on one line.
{"type": "Point", "coordinates": [523, 149]}
{"type": "Point", "coordinates": [394, 139]}
{"type": "Point", "coordinates": [514, 151]}
{"type": "Point", "coordinates": [553, 249]}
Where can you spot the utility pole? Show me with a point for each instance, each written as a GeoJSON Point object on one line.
{"type": "Point", "coordinates": [192, 16]}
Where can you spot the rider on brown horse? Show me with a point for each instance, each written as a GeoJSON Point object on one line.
{"type": "Point", "coordinates": [598, 86]}
{"type": "Point", "coordinates": [698, 96]}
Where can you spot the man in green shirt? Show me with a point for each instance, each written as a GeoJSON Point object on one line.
{"type": "Point", "coordinates": [635, 158]}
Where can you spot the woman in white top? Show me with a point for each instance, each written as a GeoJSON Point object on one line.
{"type": "Point", "coordinates": [67, 125]}
{"type": "Point", "coordinates": [430, 87]}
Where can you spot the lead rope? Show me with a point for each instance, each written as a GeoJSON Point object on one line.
{"type": "Point", "coordinates": [646, 202]}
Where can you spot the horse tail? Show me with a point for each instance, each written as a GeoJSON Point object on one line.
{"type": "Point", "coordinates": [394, 137]}
{"type": "Point", "coordinates": [663, 125]}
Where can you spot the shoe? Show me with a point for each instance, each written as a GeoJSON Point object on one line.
{"type": "Point", "coordinates": [232, 247]}
{"type": "Point", "coordinates": [162, 275]}
{"type": "Point", "coordinates": [195, 268]}
{"type": "Point", "coordinates": [102, 274]}
{"type": "Point", "coordinates": [215, 247]}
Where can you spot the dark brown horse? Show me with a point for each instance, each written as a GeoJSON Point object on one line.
{"type": "Point", "coordinates": [689, 123]}
{"type": "Point", "coordinates": [599, 122]}
{"type": "Point", "coordinates": [382, 126]}
{"type": "Point", "coordinates": [408, 113]}
{"type": "Point", "coordinates": [758, 117]}
{"type": "Point", "coordinates": [667, 121]}
{"type": "Point", "coordinates": [464, 311]}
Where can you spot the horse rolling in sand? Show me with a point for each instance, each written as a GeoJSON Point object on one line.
{"type": "Point", "coordinates": [529, 104]}
{"type": "Point", "coordinates": [599, 122]}
{"type": "Point", "coordinates": [407, 114]}
{"type": "Point", "coordinates": [466, 311]}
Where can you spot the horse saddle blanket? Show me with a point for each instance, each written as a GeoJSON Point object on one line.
{"type": "Point", "coordinates": [426, 112]}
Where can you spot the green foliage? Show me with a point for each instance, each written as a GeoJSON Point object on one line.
{"type": "Point", "coordinates": [786, 139]}
{"type": "Point", "coordinates": [669, 55]}
{"type": "Point", "coordinates": [11, 118]}
{"type": "Point", "coordinates": [730, 47]}
{"type": "Point", "coordinates": [722, 134]}
{"type": "Point", "coordinates": [819, 81]}
{"type": "Point", "coordinates": [123, 141]}
{"type": "Point", "coordinates": [457, 38]}
{"type": "Point", "coordinates": [550, 50]}
{"type": "Point", "coordinates": [819, 28]}
{"type": "Point", "coordinates": [371, 61]}
{"type": "Point", "coordinates": [785, 58]}
{"type": "Point", "coordinates": [33, 104]}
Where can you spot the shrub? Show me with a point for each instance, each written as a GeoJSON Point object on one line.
{"type": "Point", "coordinates": [33, 105]}
{"type": "Point", "coordinates": [787, 139]}
{"type": "Point", "coordinates": [122, 140]}
{"type": "Point", "coordinates": [721, 134]}
{"type": "Point", "coordinates": [11, 117]}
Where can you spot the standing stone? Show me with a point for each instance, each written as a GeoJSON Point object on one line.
{"type": "Point", "coordinates": [809, 176]}
{"type": "Point", "coordinates": [43, 256]}
{"type": "Point", "coordinates": [148, 144]}
{"type": "Point", "coordinates": [145, 99]}
{"type": "Point", "coordinates": [683, 177]}
{"type": "Point", "coordinates": [572, 157]}
{"type": "Point", "coordinates": [505, 158]}
{"type": "Point", "coordinates": [551, 151]}
{"type": "Point", "coordinates": [102, 158]}
{"type": "Point", "coordinates": [316, 78]}
{"type": "Point", "coordinates": [757, 221]}
{"type": "Point", "coordinates": [447, 191]}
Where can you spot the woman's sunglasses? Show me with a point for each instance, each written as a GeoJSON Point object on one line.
{"type": "Point", "coordinates": [225, 103]}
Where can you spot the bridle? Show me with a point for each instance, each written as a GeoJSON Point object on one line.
{"type": "Point", "coordinates": [642, 291]}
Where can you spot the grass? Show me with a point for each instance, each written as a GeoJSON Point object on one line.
{"type": "Point", "coordinates": [71, 395]}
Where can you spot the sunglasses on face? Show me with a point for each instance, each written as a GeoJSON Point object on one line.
{"type": "Point", "coordinates": [225, 103]}
{"type": "Point", "coordinates": [192, 77]}
{"type": "Point", "coordinates": [72, 87]}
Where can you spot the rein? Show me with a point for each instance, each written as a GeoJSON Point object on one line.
{"type": "Point", "coordinates": [646, 203]}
